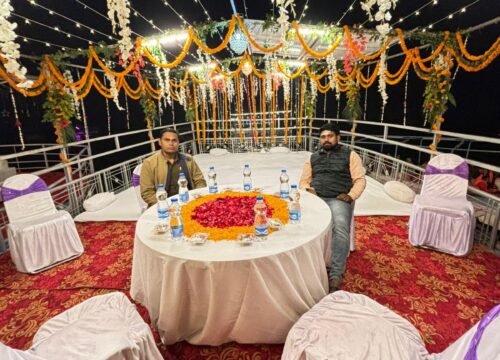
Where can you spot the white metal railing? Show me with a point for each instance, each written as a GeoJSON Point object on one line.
{"type": "Point", "coordinates": [70, 192]}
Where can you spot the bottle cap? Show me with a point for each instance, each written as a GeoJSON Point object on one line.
{"type": "Point", "coordinates": [294, 186]}
{"type": "Point", "coordinates": [212, 168]}
{"type": "Point", "coordinates": [173, 200]}
{"type": "Point", "coordinates": [246, 165]}
{"type": "Point", "coordinates": [283, 170]}
{"type": "Point", "coordinates": [181, 174]}
{"type": "Point", "coordinates": [159, 186]}
{"type": "Point", "coordinates": [260, 198]}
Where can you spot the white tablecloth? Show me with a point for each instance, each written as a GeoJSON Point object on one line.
{"type": "Point", "coordinates": [222, 292]}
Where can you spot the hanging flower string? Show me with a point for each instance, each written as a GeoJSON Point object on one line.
{"type": "Point", "coordinates": [119, 13]}
{"type": "Point", "coordinates": [9, 48]}
{"type": "Point", "coordinates": [18, 123]}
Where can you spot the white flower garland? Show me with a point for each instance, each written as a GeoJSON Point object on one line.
{"type": "Point", "coordinates": [269, 79]}
{"type": "Point", "coordinates": [283, 18]}
{"type": "Point", "coordinates": [381, 80]}
{"type": "Point", "coordinates": [74, 93]}
{"type": "Point", "coordinates": [113, 89]}
{"type": "Point", "coordinates": [9, 48]}
{"type": "Point", "coordinates": [314, 90]}
{"type": "Point", "coordinates": [121, 9]}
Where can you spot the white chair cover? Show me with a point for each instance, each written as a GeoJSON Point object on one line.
{"type": "Point", "coordinates": [484, 336]}
{"type": "Point", "coordinates": [441, 216]}
{"type": "Point", "coordinates": [136, 183]}
{"type": "Point", "coordinates": [103, 327]}
{"type": "Point", "coordinates": [40, 236]}
{"type": "Point", "coordinates": [352, 326]}
{"type": "Point", "coordinates": [8, 353]}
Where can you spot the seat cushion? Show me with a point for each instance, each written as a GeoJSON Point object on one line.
{"type": "Point", "coordinates": [399, 191]}
{"type": "Point", "coordinates": [218, 152]}
{"type": "Point", "coordinates": [99, 201]}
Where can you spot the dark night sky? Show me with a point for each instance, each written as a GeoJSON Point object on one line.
{"type": "Point", "coordinates": [477, 94]}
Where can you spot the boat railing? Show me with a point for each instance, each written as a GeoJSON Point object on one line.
{"type": "Point", "coordinates": [380, 151]}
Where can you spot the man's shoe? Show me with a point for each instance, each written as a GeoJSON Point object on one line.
{"type": "Point", "coordinates": [334, 284]}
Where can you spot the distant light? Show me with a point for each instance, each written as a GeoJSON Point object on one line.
{"type": "Point", "coordinates": [47, 44]}
{"type": "Point", "coordinates": [68, 35]}
{"type": "Point", "coordinates": [25, 40]}
{"type": "Point", "coordinates": [77, 25]}
{"type": "Point", "coordinates": [431, 26]}
{"type": "Point", "coordinates": [26, 21]}
{"type": "Point", "coordinates": [401, 19]}
{"type": "Point", "coordinates": [92, 31]}
{"type": "Point", "coordinates": [463, 9]}
{"type": "Point", "coordinates": [51, 12]}
{"type": "Point", "coordinates": [417, 13]}
{"type": "Point", "coordinates": [306, 7]}
{"type": "Point", "coordinates": [435, 2]}
{"type": "Point", "coordinates": [350, 7]}
{"type": "Point", "coordinates": [57, 28]}
{"type": "Point", "coordinates": [450, 16]}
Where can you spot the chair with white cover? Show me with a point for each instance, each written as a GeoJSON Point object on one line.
{"type": "Point", "coordinates": [103, 327]}
{"type": "Point", "coordinates": [481, 342]}
{"type": "Point", "coordinates": [352, 326]}
{"type": "Point", "coordinates": [39, 235]}
{"type": "Point", "coordinates": [136, 183]}
{"type": "Point", "coordinates": [441, 217]}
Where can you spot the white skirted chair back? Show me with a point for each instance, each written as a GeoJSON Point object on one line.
{"type": "Point", "coordinates": [352, 326]}
{"type": "Point", "coordinates": [136, 183]}
{"type": "Point", "coordinates": [100, 328]}
{"type": "Point", "coordinates": [481, 342]}
{"type": "Point", "coordinates": [26, 196]}
{"type": "Point", "coordinates": [446, 176]}
{"type": "Point", "coordinates": [39, 235]}
{"type": "Point", "coordinates": [441, 217]}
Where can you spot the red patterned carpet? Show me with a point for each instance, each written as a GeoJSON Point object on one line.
{"type": "Point", "coordinates": [441, 295]}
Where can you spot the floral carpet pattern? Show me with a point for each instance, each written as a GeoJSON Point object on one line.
{"type": "Point", "coordinates": [442, 295]}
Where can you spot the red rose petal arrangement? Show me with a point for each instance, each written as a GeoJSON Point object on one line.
{"type": "Point", "coordinates": [225, 216]}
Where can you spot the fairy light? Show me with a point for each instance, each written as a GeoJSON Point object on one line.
{"type": "Point", "coordinates": [27, 39]}
{"type": "Point", "coordinates": [77, 24]}
{"type": "Point", "coordinates": [56, 28]}
{"type": "Point", "coordinates": [405, 99]}
{"type": "Point", "coordinates": [345, 12]}
{"type": "Point", "coordinates": [450, 16]}
{"type": "Point", "coordinates": [306, 6]}
{"type": "Point", "coordinates": [18, 123]}
{"type": "Point", "coordinates": [107, 108]}
{"type": "Point", "coordinates": [127, 113]}
{"type": "Point", "coordinates": [366, 96]}
{"type": "Point", "coordinates": [149, 21]}
{"type": "Point", "coordinates": [166, 3]}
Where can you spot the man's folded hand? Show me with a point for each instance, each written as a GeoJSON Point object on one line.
{"type": "Point", "coordinates": [344, 197]}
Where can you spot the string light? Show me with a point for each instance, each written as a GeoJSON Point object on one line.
{"type": "Point", "coordinates": [450, 16]}
{"type": "Point", "coordinates": [18, 123]}
{"type": "Point", "coordinates": [107, 109]}
{"type": "Point", "coordinates": [26, 38]}
{"type": "Point", "coordinates": [405, 99]}
{"type": "Point", "coordinates": [137, 13]}
{"type": "Point", "coordinates": [51, 28]}
{"type": "Point", "coordinates": [366, 96]}
{"type": "Point", "coordinates": [166, 3]}
{"type": "Point", "coordinates": [306, 6]}
{"type": "Point", "coordinates": [77, 24]}
{"type": "Point", "coordinates": [345, 12]}
{"type": "Point", "coordinates": [127, 114]}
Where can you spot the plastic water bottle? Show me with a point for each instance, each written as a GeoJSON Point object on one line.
{"type": "Point", "coordinates": [183, 189]}
{"type": "Point", "coordinates": [212, 181]}
{"type": "Point", "coordinates": [260, 223]}
{"type": "Point", "coordinates": [294, 211]}
{"type": "Point", "coordinates": [284, 187]}
{"type": "Point", "coordinates": [247, 180]}
{"type": "Point", "coordinates": [176, 227]}
{"type": "Point", "coordinates": [162, 206]}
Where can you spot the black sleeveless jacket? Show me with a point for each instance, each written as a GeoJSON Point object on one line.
{"type": "Point", "coordinates": [331, 175]}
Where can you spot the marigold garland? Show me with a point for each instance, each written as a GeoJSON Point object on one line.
{"type": "Point", "coordinates": [279, 210]}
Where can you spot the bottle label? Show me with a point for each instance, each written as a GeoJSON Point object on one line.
{"type": "Point", "coordinates": [162, 213]}
{"type": "Point", "coordinates": [184, 197]}
{"type": "Point", "coordinates": [294, 215]}
{"type": "Point", "coordinates": [284, 194]}
{"type": "Point", "coordinates": [177, 231]}
{"type": "Point", "coordinates": [212, 189]}
{"type": "Point", "coordinates": [247, 187]}
{"type": "Point", "coordinates": [261, 230]}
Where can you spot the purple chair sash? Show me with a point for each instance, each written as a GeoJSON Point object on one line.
{"type": "Point", "coordinates": [485, 321]}
{"type": "Point", "coordinates": [462, 170]}
{"type": "Point", "coordinates": [10, 194]}
{"type": "Point", "coordinates": [136, 180]}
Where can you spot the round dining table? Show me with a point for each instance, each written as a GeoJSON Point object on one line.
{"type": "Point", "coordinates": [223, 291]}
